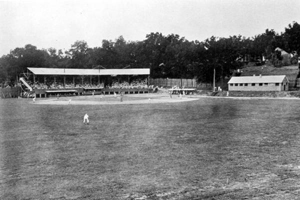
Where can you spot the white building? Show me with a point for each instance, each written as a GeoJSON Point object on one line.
{"type": "Point", "coordinates": [258, 83]}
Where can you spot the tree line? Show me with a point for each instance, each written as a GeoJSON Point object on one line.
{"type": "Point", "coordinates": [168, 56]}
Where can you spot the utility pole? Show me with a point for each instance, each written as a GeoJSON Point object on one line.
{"type": "Point", "coordinates": [214, 80]}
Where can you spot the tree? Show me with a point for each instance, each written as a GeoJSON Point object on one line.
{"type": "Point", "coordinates": [265, 44]}
{"type": "Point", "coordinates": [4, 68]}
{"type": "Point", "coordinates": [153, 49]}
{"type": "Point", "coordinates": [21, 58]}
{"type": "Point", "coordinates": [292, 37]}
{"type": "Point", "coordinates": [78, 55]}
{"type": "Point", "coordinates": [167, 56]}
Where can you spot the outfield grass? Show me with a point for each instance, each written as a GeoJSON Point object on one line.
{"type": "Point", "coordinates": [206, 149]}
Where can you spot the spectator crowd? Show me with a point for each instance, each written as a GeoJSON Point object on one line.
{"type": "Point", "coordinates": [140, 83]}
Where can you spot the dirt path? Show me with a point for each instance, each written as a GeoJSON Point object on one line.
{"type": "Point", "coordinates": [110, 99]}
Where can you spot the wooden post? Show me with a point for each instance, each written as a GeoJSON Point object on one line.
{"type": "Point", "coordinates": [64, 81]}
{"type": "Point", "coordinates": [73, 81]}
{"type": "Point", "coordinates": [180, 82]}
{"type": "Point", "coordinates": [44, 79]}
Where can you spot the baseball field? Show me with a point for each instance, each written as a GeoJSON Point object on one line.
{"type": "Point", "coordinates": [149, 146]}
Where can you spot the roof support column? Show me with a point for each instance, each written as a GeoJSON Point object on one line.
{"type": "Point", "coordinates": [54, 79]}
{"type": "Point", "coordinates": [64, 81]}
{"type": "Point", "coordinates": [74, 81]}
{"type": "Point", "coordinates": [44, 79]}
{"type": "Point", "coordinates": [33, 78]}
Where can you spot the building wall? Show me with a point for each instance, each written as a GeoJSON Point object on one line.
{"type": "Point", "coordinates": [258, 87]}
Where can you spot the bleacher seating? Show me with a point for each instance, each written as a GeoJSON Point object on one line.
{"type": "Point", "coordinates": [58, 88]}
{"type": "Point", "coordinates": [135, 84]}
{"type": "Point", "coordinates": [132, 85]}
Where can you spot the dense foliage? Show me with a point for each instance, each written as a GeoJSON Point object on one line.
{"type": "Point", "coordinates": [169, 56]}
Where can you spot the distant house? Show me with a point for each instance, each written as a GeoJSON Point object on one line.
{"type": "Point", "coordinates": [258, 83]}
{"type": "Point", "coordinates": [286, 57]}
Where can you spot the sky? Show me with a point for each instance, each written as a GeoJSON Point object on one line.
{"type": "Point", "coordinates": [60, 23]}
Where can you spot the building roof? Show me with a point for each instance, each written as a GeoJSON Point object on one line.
{"type": "Point", "coordinates": [283, 52]}
{"type": "Point", "coordinates": [257, 79]}
{"type": "Point", "coordinates": [68, 71]}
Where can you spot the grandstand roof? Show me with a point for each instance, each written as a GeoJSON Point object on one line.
{"type": "Point", "coordinates": [68, 71]}
{"type": "Point", "coordinates": [257, 79]}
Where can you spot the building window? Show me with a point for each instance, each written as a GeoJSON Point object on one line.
{"type": "Point", "coordinates": [241, 84]}
{"type": "Point", "coordinates": [236, 84]}
{"type": "Point", "coordinates": [231, 84]}
{"type": "Point", "coordinates": [265, 84]}
{"type": "Point", "coordinates": [260, 84]}
{"type": "Point", "coordinates": [246, 84]}
{"type": "Point", "coordinates": [277, 84]}
{"type": "Point", "coordinates": [252, 84]}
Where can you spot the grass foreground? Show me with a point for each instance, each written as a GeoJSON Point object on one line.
{"type": "Point", "coordinates": [206, 149]}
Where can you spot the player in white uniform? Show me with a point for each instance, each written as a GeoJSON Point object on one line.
{"type": "Point", "coordinates": [86, 119]}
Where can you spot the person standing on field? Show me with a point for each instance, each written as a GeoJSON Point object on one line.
{"type": "Point", "coordinates": [121, 96]}
{"type": "Point", "coordinates": [34, 98]}
{"type": "Point", "coordinates": [86, 119]}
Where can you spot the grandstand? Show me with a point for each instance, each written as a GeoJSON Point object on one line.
{"type": "Point", "coordinates": [47, 82]}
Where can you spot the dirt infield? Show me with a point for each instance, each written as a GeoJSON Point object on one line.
{"type": "Point", "coordinates": [111, 99]}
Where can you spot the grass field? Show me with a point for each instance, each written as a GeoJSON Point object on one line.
{"type": "Point", "coordinates": [211, 148]}
{"type": "Point", "coordinates": [290, 71]}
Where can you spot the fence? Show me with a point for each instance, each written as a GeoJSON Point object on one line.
{"type": "Point", "coordinates": [170, 82]}
{"type": "Point", "coordinates": [187, 83]}
{"type": "Point", "coordinates": [10, 92]}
